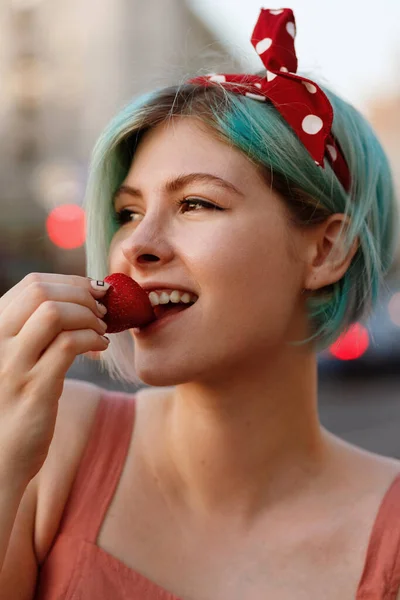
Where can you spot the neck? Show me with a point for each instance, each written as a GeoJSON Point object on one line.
{"type": "Point", "coordinates": [242, 444]}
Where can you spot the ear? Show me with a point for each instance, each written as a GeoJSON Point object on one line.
{"type": "Point", "coordinates": [328, 259]}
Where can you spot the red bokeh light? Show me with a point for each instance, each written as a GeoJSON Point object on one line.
{"type": "Point", "coordinates": [66, 226]}
{"type": "Point", "coordinates": [352, 344]}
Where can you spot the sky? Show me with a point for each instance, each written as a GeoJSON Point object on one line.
{"type": "Point", "coordinates": [351, 45]}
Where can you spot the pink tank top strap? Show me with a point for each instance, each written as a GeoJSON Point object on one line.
{"type": "Point", "coordinates": [381, 574]}
{"type": "Point", "coordinates": [101, 466]}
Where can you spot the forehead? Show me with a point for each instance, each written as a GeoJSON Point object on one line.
{"type": "Point", "coordinates": [184, 145]}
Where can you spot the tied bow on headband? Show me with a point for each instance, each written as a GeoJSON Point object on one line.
{"type": "Point", "coordinates": [303, 104]}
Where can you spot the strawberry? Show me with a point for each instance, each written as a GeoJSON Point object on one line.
{"type": "Point", "coordinates": [127, 304]}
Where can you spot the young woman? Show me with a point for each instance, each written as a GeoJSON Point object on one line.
{"type": "Point", "coordinates": [217, 481]}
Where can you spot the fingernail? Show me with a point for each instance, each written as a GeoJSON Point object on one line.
{"type": "Point", "coordinates": [101, 308]}
{"type": "Point", "coordinates": [103, 325]}
{"type": "Point", "coordinates": [99, 285]}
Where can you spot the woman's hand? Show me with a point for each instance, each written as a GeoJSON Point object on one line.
{"type": "Point", "coordinates": [46, 320]}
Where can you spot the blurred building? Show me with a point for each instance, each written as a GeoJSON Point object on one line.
{"type": "Point", "coordinates": [66, 68]}
{"type": "Point", "coordinates": [384, 115]}
{"type": "Point", "coordinates": [385, 118]}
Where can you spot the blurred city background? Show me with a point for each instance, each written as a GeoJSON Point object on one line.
{"type": "Point", "coordinates": [67, 67]}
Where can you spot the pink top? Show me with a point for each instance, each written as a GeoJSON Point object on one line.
{"type": "Point", "coordinates": [76, 569]}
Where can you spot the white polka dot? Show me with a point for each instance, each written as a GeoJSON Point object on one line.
{"type": "Point", "coordinates": [309, 87]}
{"type": "Point", "coordinates": [263, 45]}
{"type": "Point", "coordinates": [276, 12]}
{"type": "Point", "coordinates": [291, 29]}
{"type": "Point", "coordinates": [255, 97]}
{"type": "Point", "coordinates": [284, 70]}
{"type": "Point", "coordinates": [332, 151]}
{"type": "Point", "coordinates": [270, 76]}
{"type": "Point", "coordinates": [218, 78]}
{"type": "Point", "coordinates": [317, 163]}
{"type": "Point", "coordinates": [258, 85]}
{"type": "Point", "coordinates": [312, 124]}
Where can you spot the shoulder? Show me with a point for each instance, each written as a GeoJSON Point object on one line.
{"type": "Point", "coordinates": [360, 463]}
{"type": "Point", "coordinates": [76, 412]}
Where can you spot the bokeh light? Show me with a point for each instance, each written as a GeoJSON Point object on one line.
{"type": "Point", "coordinates": [352, 344]}
{"type": "Point", "coordinates": [66, 226]}
{"type": "Point", "coordinates": [57, 182]}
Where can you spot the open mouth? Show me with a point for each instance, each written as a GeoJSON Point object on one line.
{"type": "Point", "coordinates": [163, 310]}
{"type": "Point", "coordinates": [162, 313]}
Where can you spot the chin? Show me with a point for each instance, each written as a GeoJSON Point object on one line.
{"type": "Point", "coordinates": [165, 375]}
{"type": "Point", "coordinates": [161, 376]}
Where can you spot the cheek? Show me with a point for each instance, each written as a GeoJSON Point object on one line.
{"type": "Point", "coordinates": [116, 261]}
{"type": "Point", "coordinates": [248, 280]}
{"type": "Point", "coordinates": [252, 259]}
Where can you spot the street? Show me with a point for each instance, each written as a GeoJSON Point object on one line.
{"type": "Point", "coordinates": [364, 411]}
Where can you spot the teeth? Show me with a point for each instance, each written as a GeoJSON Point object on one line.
{"type": "Point", "coordinates": [154, 299]}
{"type": "Point", "coordinates": [164, 298]}
{"type": "Point", "coordinates": [175, 297]}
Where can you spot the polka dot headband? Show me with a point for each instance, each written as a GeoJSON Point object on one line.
{"type": "Point", "coordinates": [300, 101]}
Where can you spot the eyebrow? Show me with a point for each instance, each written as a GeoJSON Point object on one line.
{"type": "Point", "coordinates": [176, 184]}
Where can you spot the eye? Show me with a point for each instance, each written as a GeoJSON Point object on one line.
{"type": "Point", "coordinates": [125, 216]}
{"type": "Point", "coordinates": [128, 216]}
{"type": "Point", "coordinates": [190, 202]}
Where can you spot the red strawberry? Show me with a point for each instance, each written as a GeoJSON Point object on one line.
{"type": "Point", "coordinates": [127, 304]}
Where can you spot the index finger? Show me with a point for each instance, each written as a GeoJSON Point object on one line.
{"type": "Point", "coordinates": [77, 280]}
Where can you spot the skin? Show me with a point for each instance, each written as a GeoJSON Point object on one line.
{"type": "Point", "coordinates": [240, 429]}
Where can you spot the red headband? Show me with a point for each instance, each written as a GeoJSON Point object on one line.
{"type": "Point", "coordinates": [300, 101]}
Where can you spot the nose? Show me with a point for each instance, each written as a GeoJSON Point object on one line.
{"type": "Point", "coordinates": [147, 243]}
